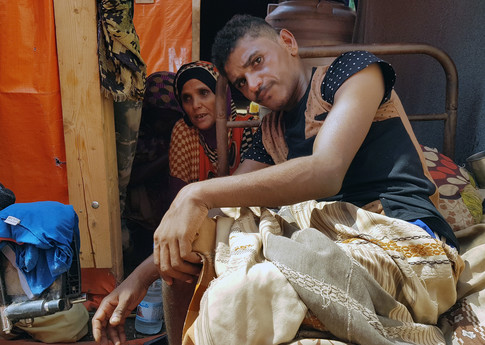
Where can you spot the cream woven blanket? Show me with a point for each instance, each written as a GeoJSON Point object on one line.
{"type": "Point", "coordinates": [325, 271]}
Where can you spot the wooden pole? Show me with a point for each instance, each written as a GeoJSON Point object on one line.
{"type": "Point", "coordinates": [89, 137]}
{"type": "Point", "coordinates": [221, 126]}
{"type": "Point", "coordinates": [195, 30]}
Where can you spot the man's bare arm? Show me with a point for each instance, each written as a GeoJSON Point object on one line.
{"type": "Point", "coordinates": [317, 176]}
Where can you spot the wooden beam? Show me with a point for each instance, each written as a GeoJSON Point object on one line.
{"type": "Point", "coordinates": [195, 30]}
{"type": "Point", "coordinates": [89, 137]}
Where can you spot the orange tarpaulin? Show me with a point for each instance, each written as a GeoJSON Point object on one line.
{"type": "Point", "coordinates": [32, 149]}
{"type": "Point", "coordinates": [165, 31]}
{"type": "Point", "coordinates": [32, 154]}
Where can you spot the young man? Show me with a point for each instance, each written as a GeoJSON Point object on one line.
{"type": "Point", "coordinates": [336, 133]}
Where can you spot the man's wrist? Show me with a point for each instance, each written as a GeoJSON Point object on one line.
{"type": "Point", "coordinates": [199, 194]}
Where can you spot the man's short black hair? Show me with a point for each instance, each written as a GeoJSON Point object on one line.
{"type": "Point", "coordinates": [236, 28]}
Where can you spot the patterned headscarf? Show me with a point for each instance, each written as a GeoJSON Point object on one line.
{"type": "Point", "coordinates": [160, 93]}
{"type": "Point", "coordinates": [207, 73]}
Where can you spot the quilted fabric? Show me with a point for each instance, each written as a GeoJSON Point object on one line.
{"type": "Point", "coordinates": [460, 202]}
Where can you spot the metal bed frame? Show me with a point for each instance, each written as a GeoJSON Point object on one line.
{"type": "Point", "coordinates": [451, 96]}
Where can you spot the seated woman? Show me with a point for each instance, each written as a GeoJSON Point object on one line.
{"type": "Point", "coordinates": [191, 156]}
{"type": "Point", "coordinates": [193, 145]}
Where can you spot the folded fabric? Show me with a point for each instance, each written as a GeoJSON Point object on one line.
{"type": "Point", "coordinates": [251, 301]}
{"type": "Point", "coordinates": [367, 278]}
{"type": "Point", "coordinates": [41, 234]}
{"type": "Point", "coordinates": [10, 255]}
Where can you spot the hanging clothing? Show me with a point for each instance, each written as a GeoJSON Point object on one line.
{"type": "Point", "coordinates": [121, 67]}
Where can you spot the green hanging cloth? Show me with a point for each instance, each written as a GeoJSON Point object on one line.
{"type": "Point", "coordinates": [122, 69]}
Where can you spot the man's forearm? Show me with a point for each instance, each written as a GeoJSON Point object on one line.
{"type": "Point", "coordinates": [284, 184]}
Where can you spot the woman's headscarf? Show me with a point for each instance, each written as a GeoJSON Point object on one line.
{"type": "Point", "coordinates": [159, 92]}
{"type": "Point", "coordinates": [205, 72]}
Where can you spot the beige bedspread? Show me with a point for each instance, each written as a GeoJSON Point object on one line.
{"type": "Point", "coordinates": [294, 277]}
{"type": "Point", "coordinates": [464, 323]}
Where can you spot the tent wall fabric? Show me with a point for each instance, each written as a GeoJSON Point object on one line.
{"type": "Point", "coordinates": [32, 149]}
{"type": "Point", "coordinates": [165, 31]}
{"type": "Point", "coordinates": [32, 141]}
{"type": "Point", "coordinates": [48, 91]}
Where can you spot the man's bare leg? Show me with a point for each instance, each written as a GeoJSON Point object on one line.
{"type": "Point", "coordinates": [176, 300]}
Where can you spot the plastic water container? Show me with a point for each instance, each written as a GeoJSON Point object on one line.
{"type": "Point", "coordinates": [149, 313]}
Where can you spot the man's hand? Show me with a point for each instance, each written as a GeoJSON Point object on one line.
{"type": "Point", "coordinates": [109, 320]}
{"type": "Point", "coordinates": [174, 236]}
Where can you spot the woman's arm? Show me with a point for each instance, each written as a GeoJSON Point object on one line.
{"type": "Point", "coordinates": [109, 320]}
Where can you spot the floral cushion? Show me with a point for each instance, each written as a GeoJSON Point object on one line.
{"type": "Point", "coordinates": [460, 201]}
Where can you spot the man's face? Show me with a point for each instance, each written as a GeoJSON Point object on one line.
{"type": "Point", "coordinates": [265, 71]}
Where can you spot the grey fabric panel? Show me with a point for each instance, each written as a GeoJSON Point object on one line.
{"type": "Point", "coordinates": [350, 300]}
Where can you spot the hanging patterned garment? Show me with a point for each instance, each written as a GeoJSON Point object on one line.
{"type": "Point", "coordinates": [121, 67]}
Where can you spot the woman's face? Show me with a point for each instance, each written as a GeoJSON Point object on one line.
{"type": "Point", "coordinates": [199, 103]}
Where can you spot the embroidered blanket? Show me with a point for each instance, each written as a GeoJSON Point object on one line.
{"type": "Point", "coordinates": [315, 271]}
